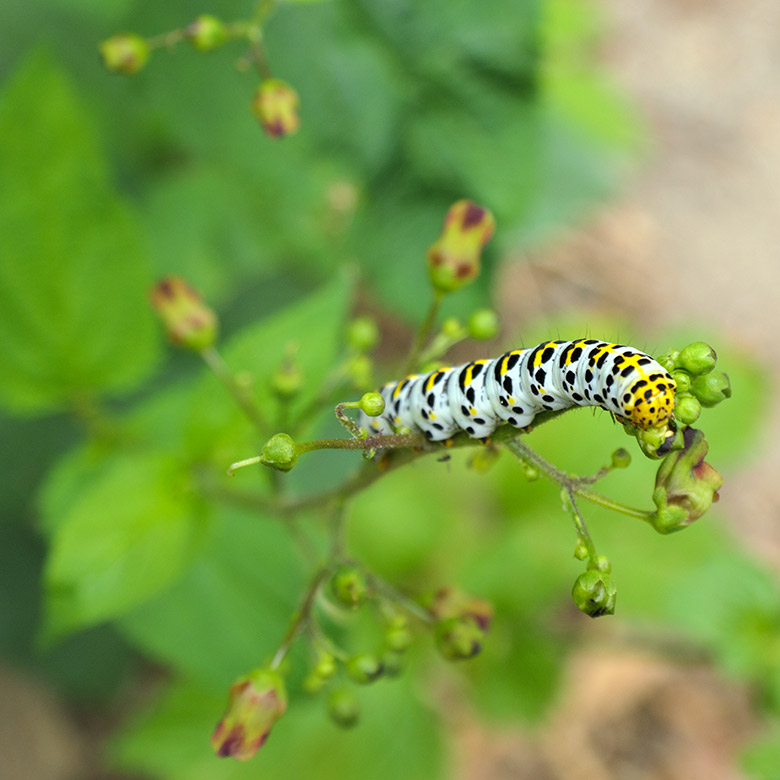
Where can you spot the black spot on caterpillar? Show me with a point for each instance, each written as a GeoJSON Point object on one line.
{"type": "Point", "coordinates": [513, 388]}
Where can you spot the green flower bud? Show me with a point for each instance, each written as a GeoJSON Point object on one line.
{"type": "Point", "coordinates": [687, 409]}
{"type": "Point", "coordinates": [484, 459]}
{"type": "Point", "coordinates": [453, 329]}
{"type": "Point", "coordinates": [206, 32]}
{"type": "Point", "coordinates": [364, 668]}
{"type": "Point", "coordinates": [683, 381]}
{"type": "Point", "coordinates": [344, 707]}
{"type": "Point", "coordinates": [275, 104]}
{"type": "Point", "coordinates": [313, 684]}
{"type": "Point", "coordinates": [458, 638]}
{"type": "Point", "coordinates": [581, 550]}
{"type": "Point", "coordinates": [325, 668]}
{"type": "Point", "coordinates": [392, 663]}
{"type": "Point", "coordinates": [255, 703]}
{"type": "Point", "coordinates": [669, 359]}
{"type": "Point", "coordinates": [348, 586]}
{"type": "Point", "coordinates": [483, 325]}
{"type": "Point", "coordinates": [188, 322]}
{"type": "Point", "coordinates": [594, 593]}
{"type": "Point", "coordinates": [279, 453]}
{"type": "Point", "coordinates": [603, 564]}
{"type": "Point", "coordinates": [125, 53]}
{"type": "Point", "coordinates": [454, 258]}
{"type": "Point", "coordinates": [287, 381]}
{"type": "Point", "coordinates": [372, 404]}
{"type": "Point", "coordinates": [652, 441]}
{"type": "Point", "coordinates": [362, 334]}
{"type": "Point", "coordinates": [398, 639]}
{"type": "Point", "coordinates": [697, 358]}
{"type": "Point", "coordinates": [711, 388]}
{"type": "Point", "coordinates": [361, 372]}
{"type": "Point", "coordinates": [685, 485]}
{"type": "Point", "coordinates": [530, 471]}
{"type": "Point", "coordinates": [621, 459]}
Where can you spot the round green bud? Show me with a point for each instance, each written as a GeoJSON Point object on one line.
{"type": "Point", "coordinates": [287, 381]}
{"type": "Point", "coordinates": [397, 620]}
{"type": "Point", "coordinates": [484, 459]}
{"type": "Point", "coordinates": [398, 639]}
{"type": "Point", "coordinates": [452, 329]}
{"type": "Point", "coordinates": [683, 381]}
{"type": "Point", "coordinates": [361, 372]}
{"type": "Point", "coordinates": [603, 564]}
{"type": "Point", "coordinates": [711, 388]}
{"type": "Point", "coordinates": [313, 684]}
{"type": "Point", "coordinates": [621, 458]}
{"type": "Point", "coordinates": [206, 32]}
{"type": "Point", "coordinates": [372, 404]}
{"type": "Point", "coordinates": [344, 707]}
{"type": "Point", "coordinates": [697, 358]}
{"type": "Point", "coordinates": [581, 550]}
{"type": "Point", "coordinates": [125, 53]}
{"type": "Point", "coordinates": [364, 668]}
{"type": "Point", "coordinates": [594, 593]}
{"type": "Point", "coordinates": [348, 586]}
{"type": "Point", "coordinates": [458, 638]}
{"type": "Point", "coordinates": [669, 359]}
{"type": "Point", "coordinates": [279, 452]}
{"type": "Point", "coordinates": [670, 518]}
{"type": "Point", "coordinates": [483, 325]}
{"type": "Point", "coordinates": [531, 472]}
{"type": "Point", "coordinates": [362, 334]}
{"type": "Point", "coordinates": [687, 409]}
{"type": "Point", "coordinates": [392, 663]}
{"type": "Point", "coordinates": [325, 667]}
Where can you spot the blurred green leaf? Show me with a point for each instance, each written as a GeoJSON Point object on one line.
{"type": "Point", "coordinates": [761, 759]}
{"type": "Point", "coordinates": [128, 534]}
{"type": "Point", "coordinates": [74, 277]}
{"type": "Point", "coordinates": [172, 742]}
{"type": "Point", "coordinates": [232, 607]}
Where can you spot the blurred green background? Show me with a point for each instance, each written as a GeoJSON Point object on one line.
{"type": "Point", "coordinates": [124, 586]}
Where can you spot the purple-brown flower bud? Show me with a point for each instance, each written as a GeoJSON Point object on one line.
{"type": "Point", "coordinates": [275, 104]}
{"type": "Point", "coordinates": [188, 321]}
{"type": "Point", "coordinates": [124, 53]}
{"type": "Point", "coordinates": [685, 485]}
{"type": "Point", "coordinates": [454, 258]}
{"type": "Point", "coordinates": [255, 703]}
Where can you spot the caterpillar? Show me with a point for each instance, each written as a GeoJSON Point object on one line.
{"type": "Point", "coordinates": [513, 388]}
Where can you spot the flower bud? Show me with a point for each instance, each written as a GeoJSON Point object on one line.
{"type": "Point", "coordinates": [125, 53]}
{"type": "Point", "coordinates": [669, 359]}
{"type": "Point", "coordinates": [653, 441]}
{"type": "Point", "coordinates": [581, 550]}
{"type": "Point", "coordinates": [594, 593]}
{"type": "Point", "coordinates": [530, 472]}
{"type": "Point", "coordinates": [325, 667]}
{"type": "Point", "coordinates": [287, 381]}
{"type": "Point", "coordinates": [206, 32]}
{"type": "Point", "coordinates": [398, 639]}
{"type": "Point", "coordinates": [344, 707]}
{"type": "Point", "coordinates": [256, 701]}
{"type": "Point", "coordinates": [392, 663]}
{"type": "Point", "coordinates": [450, 602]}
{"type": "Point", "coordinates": [372, 404]}
{"type": "Point", "coordinates": [453, 329]}
{"type": "Point", "coordinates": [483, 325]}
{"type": "Point", "coordinates": [279, 452]}
{"type": "Point", "coordinates": [685, 485]}
{"type": "Point", "coordinates": [364, 668]}
{"type": "Point", "coordinates": [454, 258]}
{"type": "Point", "coordinates": [484, 459]}
{"type": "Point", "coordinates": [687, 409]}
{"type": "Point", "coordinates": [313, 684]}
{"type": "Point", "coordinates": [275, 104]}
{"type": "Point", "coordinates": [603, 564]}
{"type": "Point", "coordinates": [711, 388]}
{"type": "Point", "coordinates": [697, 358]}
{"type": "Point", "coordinates": [362, 334]}
{"type": "Point", "coordinates": [683, 381]}
{"type": "Point", "coordinates": [188, 322]}
{"type": "Point", "coordinates": [458, 638]}
{"type": "Point", "coordinates": [621, 459]}
{"type": "Point", "coordinates": [348, 586]}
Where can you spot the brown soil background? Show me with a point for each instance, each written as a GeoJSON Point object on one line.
{"type": "Point", "coordinates": [701, 211]}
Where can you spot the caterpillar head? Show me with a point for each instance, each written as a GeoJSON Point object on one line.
{"type": "Point", "coordinates": [651, 400]}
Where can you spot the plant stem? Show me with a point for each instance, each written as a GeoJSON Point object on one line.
{"type": "Point", "coordinates": [240, 394]}
{"type": "Point", "coordinates": [423, 333]}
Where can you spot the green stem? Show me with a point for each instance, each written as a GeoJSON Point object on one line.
{"type": "Point", "coordinates": [240, 394]}
{"type": "Point", "coordinates": [403, 601]}
{"type": "Point", "coordinates": [582, 529]}
{"type": "Point", "coordinates": [423, 333]}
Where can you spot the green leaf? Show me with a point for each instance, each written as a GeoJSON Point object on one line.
{"type": "Point", "coordinates": [232, 607]}
{"type": "Point", "coordinates": [123, 538]}
{"type": "Point", "coordinates": [172, 741]}
{"type": "Point", "coordinates": [73, 278]}
{"type": "Point", "coordinates": [761, 759]}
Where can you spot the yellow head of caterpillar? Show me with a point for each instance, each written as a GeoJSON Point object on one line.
{"type": "Point", "coordinates": [652, 400]}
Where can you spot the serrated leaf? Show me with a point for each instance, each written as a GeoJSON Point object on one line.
{"type": "Point", "coordinates": [127, 535]}
{"type": "Point", "coordinates": [73, 277]}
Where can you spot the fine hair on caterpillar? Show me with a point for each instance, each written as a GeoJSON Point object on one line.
{"type": "Point", "coordinates": [513, 388]}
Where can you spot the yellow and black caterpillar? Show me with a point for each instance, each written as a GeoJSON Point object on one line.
{"type": "Point", "coordinates": [513, 388]}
